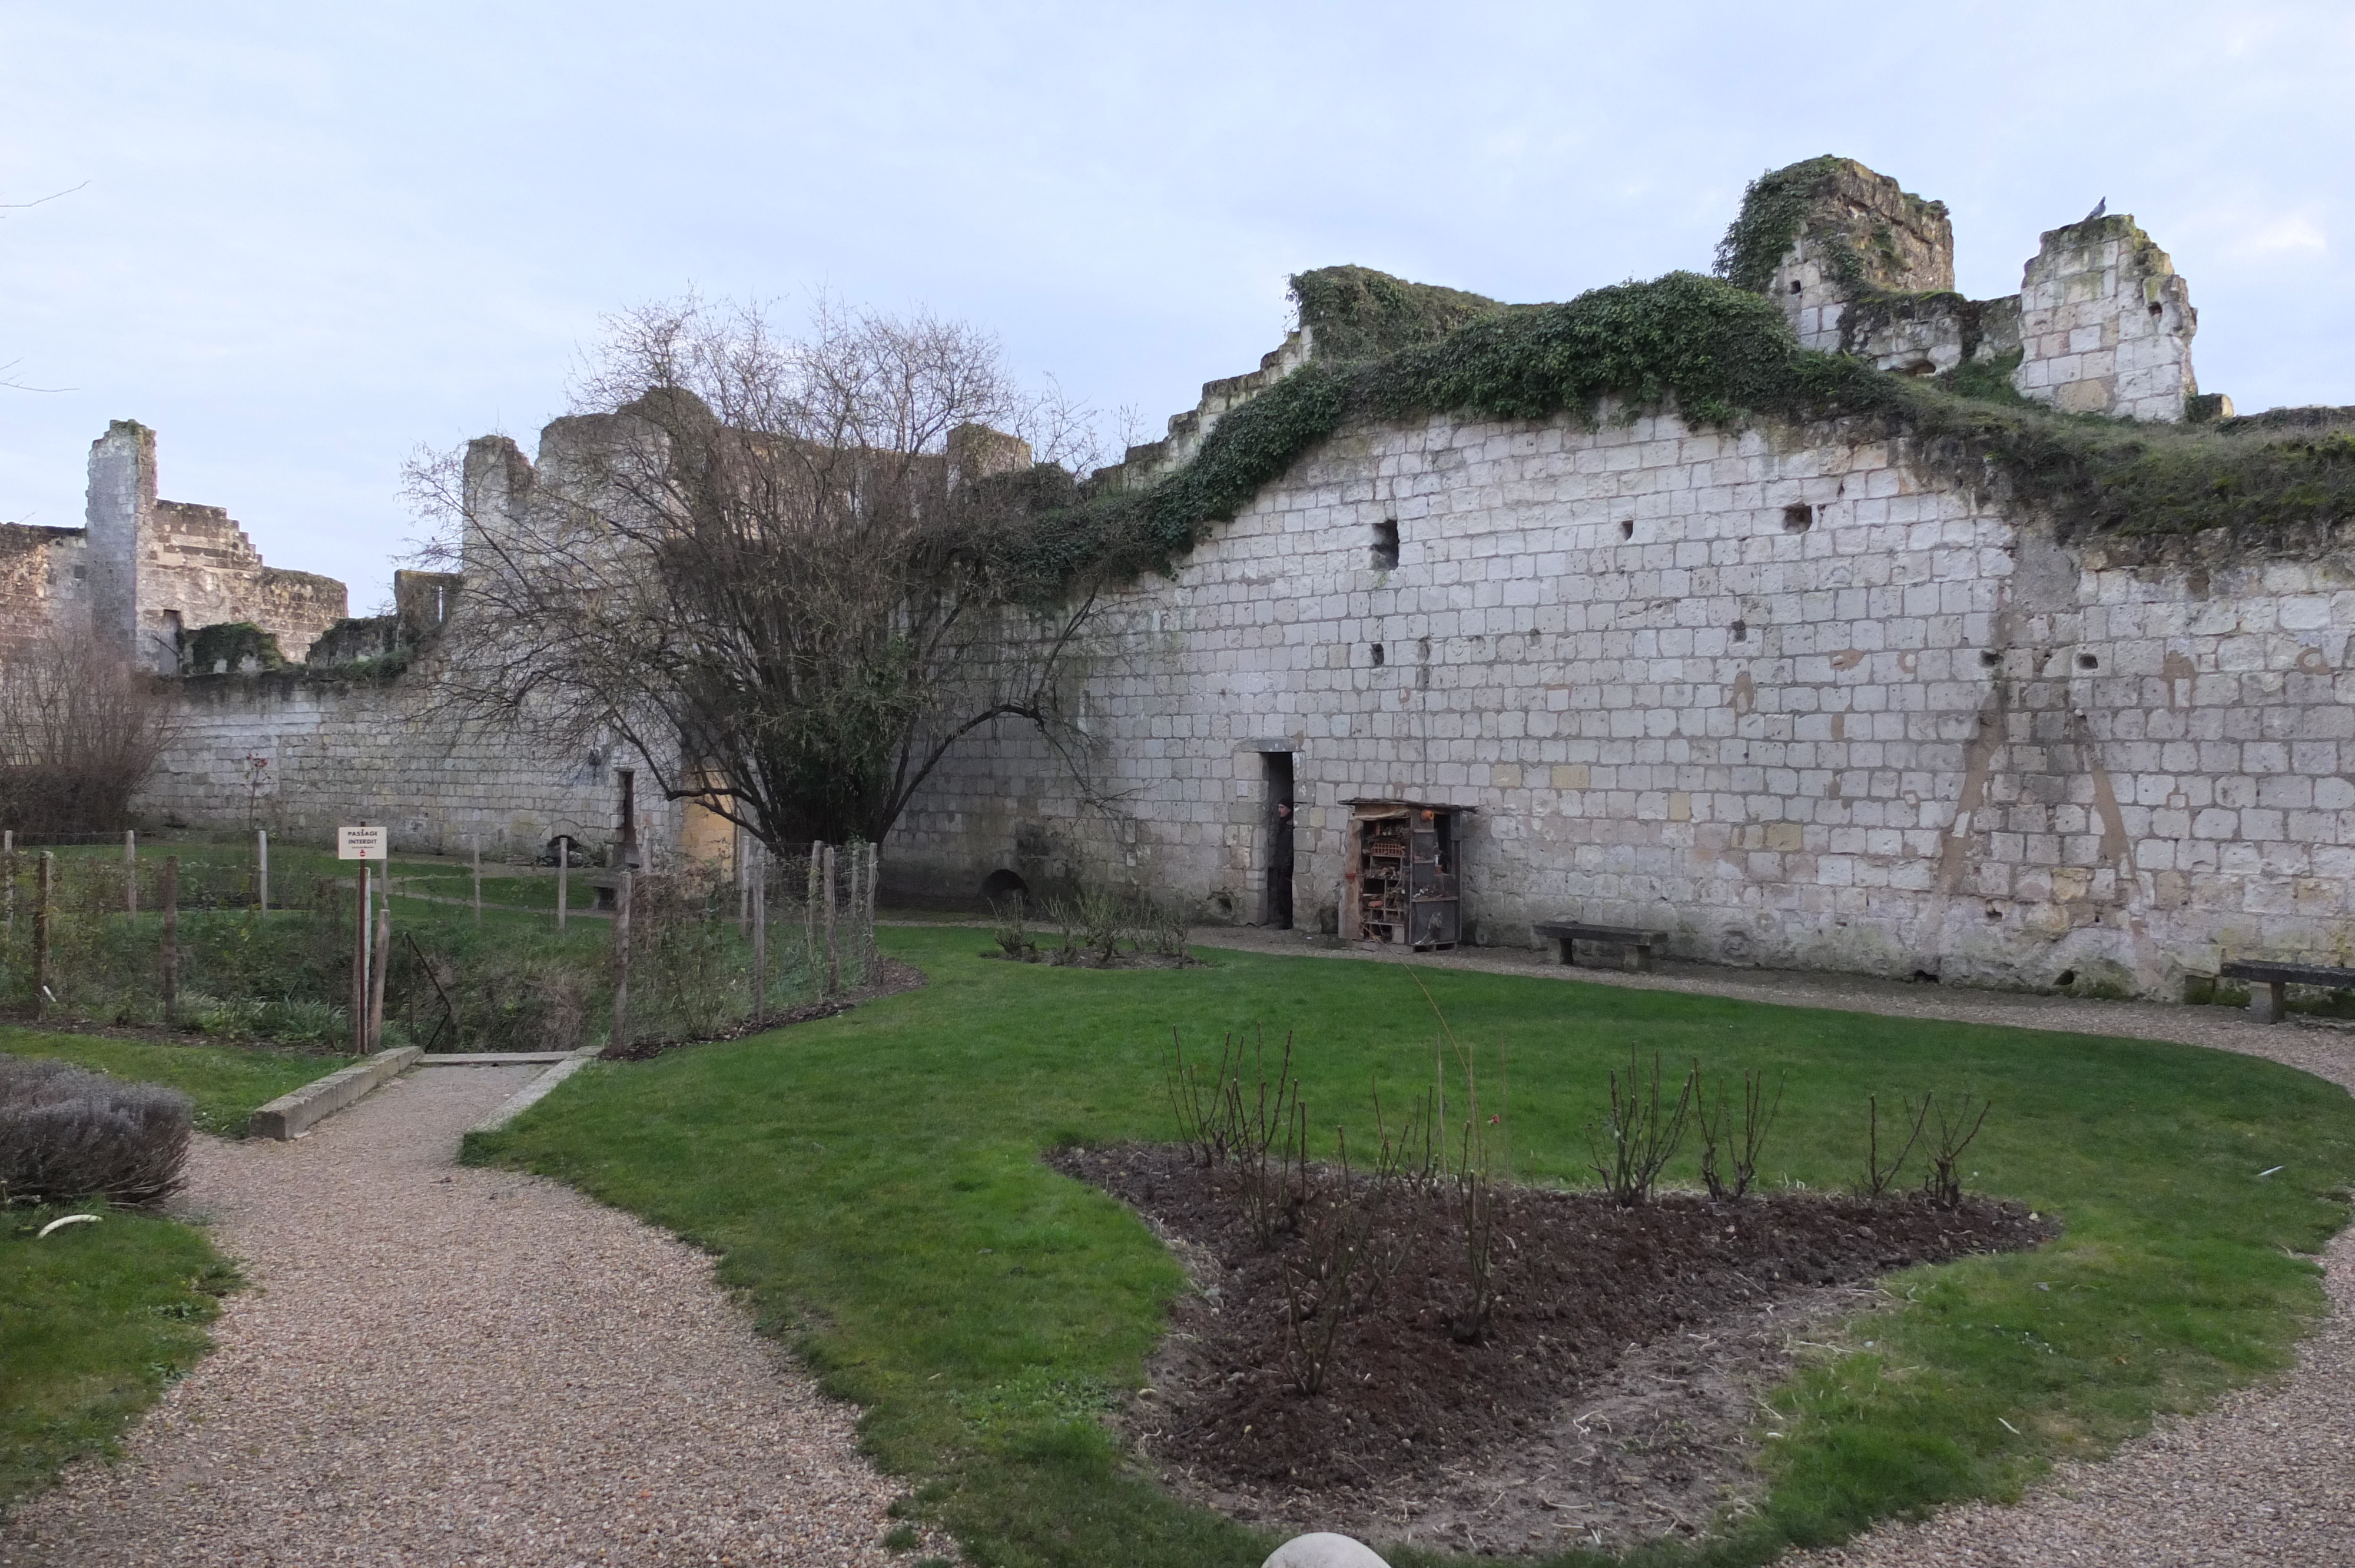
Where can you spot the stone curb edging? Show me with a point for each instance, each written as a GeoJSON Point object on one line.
{"type": "Point", "coordinates": [531, 1094]}
{"type": "Point", "coordinates": [295, 1113]}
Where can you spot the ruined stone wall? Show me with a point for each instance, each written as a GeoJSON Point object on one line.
{"type": "Point", "coordinates": [1780, 696]}
{"type": "Point", "coordinates": [43, 581]}
{"type": "Point", "coordinates": [354, 751]}
{"type": "Point", "coordinates": [2105, 324]}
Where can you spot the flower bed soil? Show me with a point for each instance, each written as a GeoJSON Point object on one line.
{"type": "Point", "coordinates": [1609, 1399]}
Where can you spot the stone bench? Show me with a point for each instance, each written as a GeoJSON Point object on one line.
{"type": "Point", "coordinates": [2267, 981]}
{"type": "Point", "coordinates": [1636, 944]}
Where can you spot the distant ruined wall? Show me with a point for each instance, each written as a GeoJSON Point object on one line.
{"type": "Point", "coordinates": [1781, 696]}
{"type": "Point", "coordinates": [43, 579]}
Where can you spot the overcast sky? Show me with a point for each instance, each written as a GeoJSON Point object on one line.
{"type": "Point", "coordinates": [300, 241]}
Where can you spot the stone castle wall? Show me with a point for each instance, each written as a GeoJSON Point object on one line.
{"type": "Point", "coordinates": [1781, 696]}
{"type": "Point", "coordinates": [347, 751]}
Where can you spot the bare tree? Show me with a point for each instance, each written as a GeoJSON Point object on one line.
{"type": "Point", "coordinates": [79, 732]}
{"type": "Point", "coordinates": [787, 570]}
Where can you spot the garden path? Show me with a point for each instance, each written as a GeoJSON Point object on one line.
{"type": "Point", "coordinates": [2265, 1477]}
{"type": "Point", "coordinates": [445, 1365]}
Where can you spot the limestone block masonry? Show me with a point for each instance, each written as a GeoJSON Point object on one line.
{"type": "Point", "coordinates": [1782, 697]}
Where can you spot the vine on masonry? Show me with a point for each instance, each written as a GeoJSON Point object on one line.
{"type": "Point", "coordinates": [1721, 356]}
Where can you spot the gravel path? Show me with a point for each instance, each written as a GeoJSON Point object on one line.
{"type": "Point", "coordinates": [2267, 1477]}
{"type": "Point", "coordinates": [441, 1365]}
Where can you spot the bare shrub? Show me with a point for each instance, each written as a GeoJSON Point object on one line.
{"type": "Point", "coordinates": [1357, 1232]}
{"type": "Point", "coordinates": [66, 1132]}
{"type": "Point", "coordinates": [1722, 1141]}
{"type": "Point", "coordinates": [1879, 1177]}
{"type": "Point", "coordinates": [79, 731]}
{"type": "Point", "coordinates": [1013, 928]}
{"type": "Point", "coordinates": [1258, 1131]}
{"type": "Point", "coordinates": [1638, 1139]}
{"type": "Point", "coordinates": [1944, 1181]}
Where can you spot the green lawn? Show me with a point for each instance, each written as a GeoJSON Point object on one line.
{"type": "Point", "coordinates": [874, 1182]}
{"type": "Point", "coordinates": [97, 1319]}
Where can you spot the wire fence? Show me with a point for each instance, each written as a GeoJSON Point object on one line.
{"type": "Point", "coordinates": [204, 938]}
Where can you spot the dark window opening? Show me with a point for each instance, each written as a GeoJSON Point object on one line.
{"type": "Point", "coordinates": [1378, 656]}
{"type": "Point", "coordinates": [1799, 517]}
{"type": "Point", "coordinates": [1386, 544]}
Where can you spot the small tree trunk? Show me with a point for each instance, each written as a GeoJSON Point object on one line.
{"type": "Point", "coordinates": [380, 961]}
{"type": "Point", "coordinates": [620, 1038]}
{"type": "Point", "coordinates": [41, 934]}
{"type": "Point", "coordinates": [833, 954]}
{"type": "Point", "coordinates": [130, 874]}
{"type": "Point", "coordinates": [759, 936]}
{"type": "Point", "coordinates": [171, 894]}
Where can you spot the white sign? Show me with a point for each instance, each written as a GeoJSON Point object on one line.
{"type": "Point", "coordinates": [359, 843]}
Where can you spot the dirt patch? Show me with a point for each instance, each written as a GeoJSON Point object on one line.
{"type": "Point", "coordinates": [891, 978]}
{"type": "Point", "coordinates": [1611, 1398]}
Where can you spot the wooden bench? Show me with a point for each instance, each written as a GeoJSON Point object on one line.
{"type": "Point", "coordinates": [2267, 980]}
{"type": "Point", "coordinates": [1637, 944]}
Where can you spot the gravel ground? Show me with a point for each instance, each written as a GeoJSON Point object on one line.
{"type": "Point", "coordinates": [440, 1365]}
{"type": "Point", "coordinates": [2267, 1476]}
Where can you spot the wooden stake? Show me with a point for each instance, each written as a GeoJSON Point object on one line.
{"type": "Point", "coordinates": [833, 956]}
{"type": "Point", "coordinates": [478, 879]}
{"type": "Point", "coordinates": [380, 961]}
{"type": "Point", "coordinates": [171, 891]}
{"type": "Point", "coordinates": [262, 869]}
{"type": "Point", "coordinates": [360, 967]}
{"type": "Point", "coordinates": [809, 910]}
{"type": "Point", "coordinates": [131, 873]}
{"type": "Point", "coordinates": [874, 895]}
{"type": "Point", "coordinates": [620, 1040]}
{"type": "Point", "coordinates": [759, 934]}
{"type": "Point", "coordinates": [8, 871]}
{"type": "Point", "coordinates": [563, 878]}
{"type": "Point", "coordinates": [41, 935]}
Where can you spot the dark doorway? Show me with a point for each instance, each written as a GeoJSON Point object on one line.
{"type": "Point", "coordinates": [1279, 838]}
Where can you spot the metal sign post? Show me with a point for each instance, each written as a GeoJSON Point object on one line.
{"type": "Point", "coordinates": [367, 845]}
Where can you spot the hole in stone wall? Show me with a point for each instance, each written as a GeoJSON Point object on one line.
{"type": "Point", "coordinates": [1990, 658]}
{"type": "Point", "coordinates": [1993, 913]}
{"type": "Point", "coordinates": [1386, 544]}
{"type": "Point", "coordinates": [1627, 528]}
{"type": "Point", "coordinates": [1799, 517]}
{"type": "Point", "coordinates": [1795, 285]}
{"type": "Point", "coordinates": [1377, 654]}
{"type": "Point", "coordinates": [1918, 368]}
{"type": "Point", "coordinates": [1001, 885]}
{"type": "Point", "coordinates": [1923, 977]}
{"type": "Point", "coordinates": [1740, 630]}
{"type": "Point", "coordinates": [2066, 976]}
{"type": "Point", "coordinates": [2087, 662]}
{"type": "Point", "coordinates": [2157, 311]}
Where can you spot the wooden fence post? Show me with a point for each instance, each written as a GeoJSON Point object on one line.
{"type": "Point", "coordinates": [563, 878]}
{"type": "Point", "coordinates": [262, 869]}
{"type": "Point", "coordinates": [380, 960]}
{"type": "Point", "coordinates": [833, 954]}
{"type": "Point", "coordinates": [478, 879]}
{"type": "Point", "coordinates": [41, 935]}
{"type": "Point", "coordinates": [620, 1040]}
{"type": "Point", "coordinates": [360, 967]}
{"type": "Point", "coordinates": [809, 911]}
{"type": "Point", "coordinates": [874, 898]}
{"type": "Point", "coordinates": [171, 892]}
{"type": "Point", "coordinates": [759, 868]}
{"type": "Point", "coordinates": [8, 872]}
{"type": "Point", "coordinates": [131, 873]}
